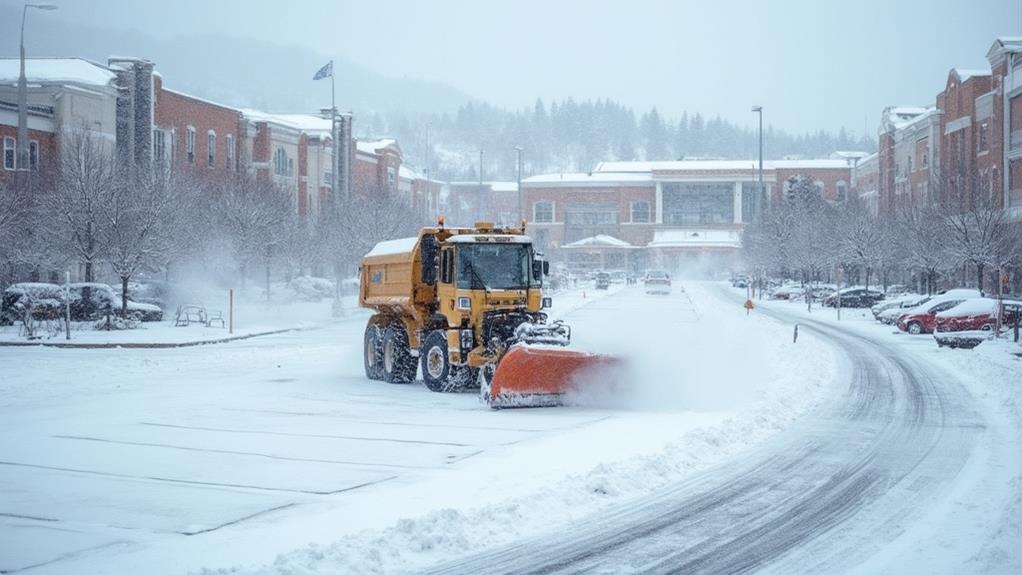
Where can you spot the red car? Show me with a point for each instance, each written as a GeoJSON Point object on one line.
{"type": "Point", "coordinates": [923, 319]}
{"type": "Point", "coordinates": [971, 322]}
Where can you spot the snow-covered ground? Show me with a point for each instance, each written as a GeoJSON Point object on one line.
{"type": "Point", "coordinates": [276, 455]}
{"type": "Point", "coordinates": [985, 509]}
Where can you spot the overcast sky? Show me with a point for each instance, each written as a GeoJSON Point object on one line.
{"type": "Point", "coordinates": [811, 63]}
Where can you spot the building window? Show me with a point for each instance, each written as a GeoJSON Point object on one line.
{"type": "Point", "coordinates": [173, 146]}
{"type": "Point", "coordinates": [290, 168]}
{"type": "Point", "coordinates": [280, 162]}
{"type": "Point", "coordinates": [390, 177]}
{"type": "Point", "coordinates": [229, 141]}
{"type": "Point", "coordinates": [211, 149]}
{"type": "Point", "coordinates": [158, 145]}
{"type": "Point", "coordinates": [842, 192]}
{"type": "Point", "coordinates": [543, 212]}
{"type": "Point", "coordinates": [984, 136]}
{"type": "Point", "coordinates": [640, 212]}
{"type": "Point", "coordinates": [926, 156]}
{"type": "Point", "coordinates": [33, 155]}
{"type": "Point", "coordinates": [190, 144]}
{"type": "Point", "coordinates": [909, 172]}
{"type": "Point", "coordinates": [328, 179]}
{"type": "Point", "coordinates": [10, 153]}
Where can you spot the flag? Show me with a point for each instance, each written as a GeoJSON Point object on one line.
{"type": "Point", "coordinates": [325, 71]}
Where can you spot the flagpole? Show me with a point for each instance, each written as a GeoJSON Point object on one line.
{"type": "Point", "coordinates": [333, 134]}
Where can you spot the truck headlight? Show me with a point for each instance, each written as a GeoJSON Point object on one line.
{"type": "Point", "coordinates": [546, 302]}
{"type": "Point", "coordinates": [464, 303]}
{"type": "Point", "coordinates": [466, 339]}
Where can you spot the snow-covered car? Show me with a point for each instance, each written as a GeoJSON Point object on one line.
{"type": "Point", "coordinates": [891, 316]}
{"type": "Point", "coordinates": [657, 282]}
{"type": "Point", "coordinates": [45, 300]}
{"type": "Point", "coordinates": [789, 292]}
{"type": "Point", "coordinates": [854, 297]}
{"type": "Point", "coordinates": [902, 301]}
{"type": "Point", "coordinates": [602, 280]}
{"type": "Point", "coordinates": [91, 301]}
{"type": "Point", "coordinates": [923, 318]}
{"type": "Point", "coordinates": [972, 321]}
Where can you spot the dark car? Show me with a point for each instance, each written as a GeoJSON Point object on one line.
{"type": "Point", "coordinates": [602, 280]}
{"type": "Point", "coordinates": [854, 297]}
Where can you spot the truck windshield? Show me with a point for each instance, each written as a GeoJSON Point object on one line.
{"type": "Point", "coordinates": [494, 266]}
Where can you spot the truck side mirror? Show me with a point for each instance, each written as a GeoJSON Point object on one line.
{"type": "Point", "coordinates": [546, 268]}
{"type": "Point", "coordinates": [429, 254]}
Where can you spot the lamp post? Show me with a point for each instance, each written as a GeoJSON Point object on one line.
{"type": "Point", "coordinates": [22, 145]}
{"type": "Point", "coordinates": [759, 198]}
{"type": "Point", "coordinates": [518, 151]}
{"type": "Point", "coordinates": [479, 196]}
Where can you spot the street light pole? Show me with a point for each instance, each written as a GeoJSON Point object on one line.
{"type": "Point", "coordinates": [22, 160]}
{"type": "Point", "coordinates": [518, 151]}
{"type": "Point", "coordinates": [759, 110]}
{"type": "Point", "coordinates": [479, 196]}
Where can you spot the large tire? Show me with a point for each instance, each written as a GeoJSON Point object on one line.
{"type": "Point", "coordinates": [372, 351]}
{"type": "Point", "coordinates": [914, 328]}
{"type": "Point", "coordinates": [398, 364]}
{"type": "Point", "coordinates": [436, 363]}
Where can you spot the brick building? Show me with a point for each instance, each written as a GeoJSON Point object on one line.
{"type": "Point", "coordinates": [194, 134]}
{"type": "Point", "coordinates": [470, 202]}
{"type": "Point", "coordinates": [678, 213]}
{"type": "Point", "coordinates": [909, 143]}
{"type": "Point", "coordinates": [1005, 131]}
{"type": "Point", "coordinates": [63, 94]}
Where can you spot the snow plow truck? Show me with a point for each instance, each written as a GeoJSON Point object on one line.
{"type": "Point", "coordinates": [467, 304]}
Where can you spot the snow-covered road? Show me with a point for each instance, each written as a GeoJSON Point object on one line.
{"type": "Point", "coordinates": [277, 455]}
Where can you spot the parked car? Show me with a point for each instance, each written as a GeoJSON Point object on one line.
{"type": "Point", "coordinates": [789, 292]}
{"type": "Point", "coordinates": [618, 276]}
{"type": "Point", "coordinates": [923, 318]}
{"type": "Point", "coordinates": [740, 281]}
{"type": "Point", "coordinates": [970, 322]}
{"type": "Point", "coordinates": [90, 301]}
{"type": "Point", "coordinates": [602, 280]}
{"type": "Point", "coordinates": [657, 281]}
{"type": "Point", "coordinates": [854, 297]}
{"type": "Point", "coordinates": [891, 316]}
{"type": "Point", "coordinates": [904, 301]}
{"type": "Point", "coordinates": [45, 300]}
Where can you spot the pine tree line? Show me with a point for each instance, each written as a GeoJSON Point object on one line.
{"type": "Point", "coordinates": [569, 136]}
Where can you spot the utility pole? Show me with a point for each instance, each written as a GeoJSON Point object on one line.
{"type": "Point", "coordinates": [22, 156]}
{"type": "Point", "coordinates": [518, 150]}
{"type": "Point", "coordinates": [479, 196]}
{"type": "Point", "coordinates": [759, 198]}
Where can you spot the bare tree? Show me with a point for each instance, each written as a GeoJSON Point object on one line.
{"type": "Point", "coordinates": [864, 239]}
{"type": "Point", "coordinates": [86, 185]}
{"type": "Point", "coordinates": [137, 224]}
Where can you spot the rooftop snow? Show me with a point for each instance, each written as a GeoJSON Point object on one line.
{"type": "Point", "coordinates": [695, 237]}
{"type": "Point", "coordinates": [595, 178]}
{"type": "Point", "coordinates": [370, 146]}
{"type": "Point", "coordinates": [607, 168]}
{"type": "Point", "coordinates": [964, 73]}
{"type": "Point", "coordinates": [56, 70]}
{"type": "Point", "coordinates": [599, 240]}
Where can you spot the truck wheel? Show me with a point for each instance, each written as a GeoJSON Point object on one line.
{"type": "Point", "coordinates": [436, 364]}
{"type": "Point", "coordinates": [373, 352]}
{"type": "Point", "coordinates": [398, 364]}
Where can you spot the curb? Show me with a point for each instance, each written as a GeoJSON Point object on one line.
{"type": "Point", "coordinates": [144, 345]}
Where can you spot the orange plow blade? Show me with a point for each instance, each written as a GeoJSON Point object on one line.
{"type": "Point", "coordinates": [532, 376]}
